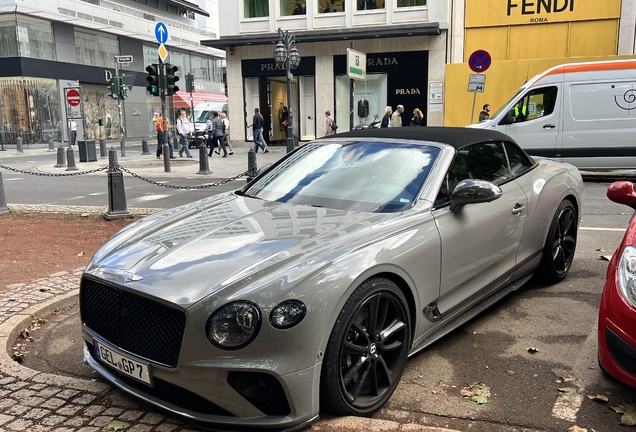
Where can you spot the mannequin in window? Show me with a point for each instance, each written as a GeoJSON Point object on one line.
{"type": "Point", "coordinates": [363, 108]}
{"type": "Point", "coordinates": [284, 118]}
{"type": "Point", "coordinates": [331, 7]}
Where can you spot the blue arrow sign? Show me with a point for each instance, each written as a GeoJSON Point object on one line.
{"type": "Point", "coordinates": [161, 32]}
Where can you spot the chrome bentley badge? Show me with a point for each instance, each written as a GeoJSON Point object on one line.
{"type": "Point", "coordinates": [129, 277]}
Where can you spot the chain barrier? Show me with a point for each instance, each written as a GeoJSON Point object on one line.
{"type": "Point", "coordinates": [169, 186]}
{"type": "Point", "coordinates": [41, 174]}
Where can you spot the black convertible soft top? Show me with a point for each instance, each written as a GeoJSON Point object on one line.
{"type": "Point", "coordinates": [455, 136]}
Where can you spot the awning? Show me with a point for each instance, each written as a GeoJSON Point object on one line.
{"type": "Point", "coordinates": [182, 98]}
{"type": "Point", "coordinates": [189, 7]}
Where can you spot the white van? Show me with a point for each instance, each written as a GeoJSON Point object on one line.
{"type": "Point", "coordinates": [204, 110]}
{"type": "Point", "coordinates": [581, 113]}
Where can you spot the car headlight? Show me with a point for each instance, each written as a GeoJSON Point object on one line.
{"type": "Point", "coordinates": [287, 314]}
{"type": "Point", "coordinates": [234, 325]}
{"type": "Point", "coordinates": [627, 275]}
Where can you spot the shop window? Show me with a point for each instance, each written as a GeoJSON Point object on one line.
{"type": "Point", "coordinates": [328, 6]}
{"type": "Point", "coordinates": [150, 55]}
{"type": "Point", "coordinates": [369, 100]}
{"type": "Point", "coordinates": [256, 8]}
{"type": "Point", "coordinates": [200, 68]}
{"type": "Point", "coordinates": [293, 7]}
{"type": "Point", "coordinates": [370, 4]}
{"type": "Point", "coordinates": [410, 3]}
{"type": "Point", "coordinates": [8, 36]}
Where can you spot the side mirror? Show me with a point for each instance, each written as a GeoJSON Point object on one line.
{"type": "Point", "coordinates": [509, 118]}
{"type": "Point", "coordinates": [622, 192]}
{"type": "Point", "coordinates": [473, 192]}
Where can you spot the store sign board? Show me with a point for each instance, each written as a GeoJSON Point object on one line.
{"type": "Point", "coordinates": [73, 99]}
{"type": "Point", "coordinates": [356, 65]}
{"type": "Point", "coordinates": [517, 12]}
{"type": "Point", "coordinates": [436, 93]}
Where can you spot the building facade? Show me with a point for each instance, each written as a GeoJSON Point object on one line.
{"type": "Point", "coordinates": [525, 38]}
{"type": "Point", "coordinates": [51, 45]}
{"type": "Point", "coordinates": [405, 42]}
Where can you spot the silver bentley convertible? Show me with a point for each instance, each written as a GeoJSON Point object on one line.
{"type": "Point", "coordinates": [308, 289]}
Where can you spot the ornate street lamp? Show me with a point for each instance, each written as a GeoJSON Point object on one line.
{"type": "Point", "coordinates": [286, 54]}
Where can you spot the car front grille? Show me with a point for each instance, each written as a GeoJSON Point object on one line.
{"type": "Point", "coordinates": [621, 351]}
{"type": "Point", "coordinates": [261, 390]}
{"type": "Point", "coordinates": [132, 323]}
{"type": "Point", "coordinates": [168, 392]}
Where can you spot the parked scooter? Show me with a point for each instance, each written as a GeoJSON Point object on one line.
{"type": "Point", "coordinates": [373, 125]}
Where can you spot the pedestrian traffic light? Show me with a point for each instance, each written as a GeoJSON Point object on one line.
{"type": "Point", "coordinates": [171, 79]}
{"type": "Point", "coordinates": [190, 83]}
{"type": "Point", "coordinates": [123, 88]}
{"type": "Point", "coordinates": [153, 79]}
{"type": "Point", "coordinates": [112, 87]}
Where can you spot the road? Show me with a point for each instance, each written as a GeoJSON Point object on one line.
{"type": "Point", "coordinates": [546, 390]}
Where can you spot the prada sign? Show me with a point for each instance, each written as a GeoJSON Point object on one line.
{"type": "Point", "coordinates": [269, 67]}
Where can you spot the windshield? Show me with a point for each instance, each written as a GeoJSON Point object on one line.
{"type": "Point", "coordinates": [368, 176]}
{"type": "Point", "coordinates": [203, 116]}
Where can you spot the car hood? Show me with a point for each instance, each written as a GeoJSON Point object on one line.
{"type": "Point", "coordinates": [184, 254]}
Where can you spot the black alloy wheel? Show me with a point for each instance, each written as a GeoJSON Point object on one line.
{"type": "Point", "coordinates": [560, 245]}
{"type": "Point", "coordinates": [367, 350]}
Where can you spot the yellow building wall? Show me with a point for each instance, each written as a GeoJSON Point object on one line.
{"type": "Point", "coordinates": [503, 79]}
{"type": "Point", "coordinates": [524, 38]}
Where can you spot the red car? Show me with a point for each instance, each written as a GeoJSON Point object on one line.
{"type": "Point", "coordinates": [617, 315]}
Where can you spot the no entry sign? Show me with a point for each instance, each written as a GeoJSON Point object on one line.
{"type": "Point", "coordinates": [479, 61]}
{"type": "Point", "coordinates": [73, 97]}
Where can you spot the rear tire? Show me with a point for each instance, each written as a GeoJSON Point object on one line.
{"type": "Point", "coordinates": [560, 244]}
{"type": "Point", "coordinates": [367, 350]}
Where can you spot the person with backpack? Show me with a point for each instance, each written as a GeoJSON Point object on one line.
{"type": "Point", "coordinates": [330, 125]}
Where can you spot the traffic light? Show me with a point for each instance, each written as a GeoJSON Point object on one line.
{"type": "Point", "coordinates": [112, 87]}
{"type": "Point", "coordinates": [123, 88]}
{"type": "Point", "coordinates": [171, 79]}
{"type": "Point", "coordinates": [153, 79]}
{"type": "Point", "coordinates": [190, 83]}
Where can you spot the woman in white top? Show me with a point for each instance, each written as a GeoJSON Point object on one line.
{"type": "Point", "coordinates": [226, 135]}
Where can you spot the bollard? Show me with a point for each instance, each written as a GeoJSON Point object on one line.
{"type": "Point", "coordinates": [70, 157]}
{"type": "Point", "coordinates": [166, 157]}
{"type": "Point", "coordinates": [204, 165]}
{"type": "Point", "coordinates": [122, 143]}
{"type": "Point", "coordinates": [117, 207]}
{"type": "Point", "coordinates": [252, 169]}
{"type": "Point", "coordinates": [19, 148]}
{"type": "Point", "coordinates": [102, 148]}
{"type": "Point", "coordinates": [61, 158]}
{"type": "Point", "coordinates": [3, 200]}
{"type": "Point", "coordinates": [51, 144]}
{"type": "Point", "coordinates": [144, 147]}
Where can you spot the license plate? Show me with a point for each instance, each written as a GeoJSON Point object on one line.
{"type": "Point", "coordinates": [123, 364]}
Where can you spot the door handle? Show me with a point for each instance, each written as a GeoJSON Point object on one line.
{"type": "Point", "coordinates": [518, 208]}
{"type": "Point", "coordinates": [549, 126]}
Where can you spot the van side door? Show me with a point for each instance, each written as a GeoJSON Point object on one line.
{"type": "Point", "coordinates": [537, 121]}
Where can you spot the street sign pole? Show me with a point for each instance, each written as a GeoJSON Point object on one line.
{"type": "Point", "coordinates": [479, 61]}
{"type": "Point", "coordinates": [162, 96]}
{"type": "Point", "coordinates": [121, 125]}
{"type": "Point", "coordinates": [472, 113]}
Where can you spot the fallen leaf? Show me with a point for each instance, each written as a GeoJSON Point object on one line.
{"type": "Point", "coordinates": [45, 289]}
{"type": "Point", "coordinates": [115, 426]}
{"type": "Point", "coordinates": [480, 400]}
{"type": "Point", "coordinates": [81, 254]}
{"type": "Point", "coordinates": [24, 333]}
{"type": "Point", "coordinates": [569, 378]}
{"type": "Point", "coordinates": [511, 372]}
{"type": "Point", "coordinates": [13, 299]}
{"type": "Point", "coordinates": [441, 384]}
{"type": "Point", "coordinates": [606, 257]}
{"type": "Point", "coordinates": [629, 414]}
{"type": "Point", "coordinates": [576, 429]}
{"type": "Point", "coordinates": [532, 350]}
{"type": "Point", "coordinates": [465, 392]}
{"type": "Point", "coordinates": [600, 250]}
{"type": "Point", "coordinates": [17, 356]}
{"type": "Point", "coordinates": [598, 398]}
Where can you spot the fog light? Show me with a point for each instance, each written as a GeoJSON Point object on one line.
{"type": "Point", "coordinates": [287, 314]}
{"type": "Point", "coordinates": [250, 386]}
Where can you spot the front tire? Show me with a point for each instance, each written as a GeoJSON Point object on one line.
{"type": "Point", "coordinates": [560, 245]}
{"type": "Point", "coordinates": [367, 350]}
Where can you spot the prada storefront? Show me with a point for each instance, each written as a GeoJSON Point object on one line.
{"type": "Point", "coordinates": [393, 79]}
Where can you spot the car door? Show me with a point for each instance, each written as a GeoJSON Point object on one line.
{"type": "Point", "coordinates": [538, 121]}
{"type": "Point", "coordinates": [480, 243]}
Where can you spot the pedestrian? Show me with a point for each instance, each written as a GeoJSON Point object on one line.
{"type": "Point", "coordinates": [185, 130]}
{"type": "Point", "coordinates": [329, 130]}
{"type": "Point", "coordinates": [396, 118]}
{"type": "Point", "coordinates": [284, 119]}
{"type": "Point", "coordinates": [216, 132]}
{"type": "Point", "coordinates": [416, 120]}
{"type": "Point", "coordinates": [159, 129]}
{"type": "Point", "coordinates": [386, 120]}
{"type": "Point", "coordinates": [226, 131]}
{"type": "Point", "coordinates": [72, 127]}
{"type": "Point", "coordinates": [257, 123]}
{"type": "Point", "coordinates": [485, 114]}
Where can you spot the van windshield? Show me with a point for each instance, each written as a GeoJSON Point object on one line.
{"type": "Point", "coordinates": [203, 116]}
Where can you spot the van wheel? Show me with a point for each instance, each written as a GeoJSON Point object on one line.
{"type": "Point", "coordinates": [367, 350]}
{"type": "Point", "coordinates": [560, 244]}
